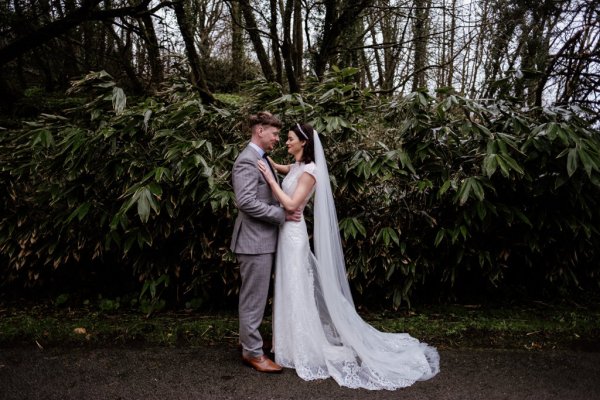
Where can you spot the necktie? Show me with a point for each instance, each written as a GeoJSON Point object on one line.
{"type": "Point", "coordinates": [270, 166]}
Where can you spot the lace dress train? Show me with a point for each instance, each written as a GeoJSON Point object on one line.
{"type": "Point", "coordinates": [317, 330]}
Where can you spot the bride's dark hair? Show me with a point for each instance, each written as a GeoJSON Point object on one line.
{"type": "Point", "coordinates": [305, 134]}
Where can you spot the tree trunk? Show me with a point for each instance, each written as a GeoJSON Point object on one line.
{"type": "Point", "coordinates": [378, 62]}
{"type": "Point", "coordinates": [252, 29]}
{"type": "Point", "coordinates": [151, 40]}
{"type": "Point", "coordinates": [333, 28]}
{"type": "Point", "coordinates": [197, 74]}
{"type": "Point", "coordinates": [298, 41]}
{"type": "Point", "coordinates": [390, 60]}
{"type": "Point", "coordinates": [125, 59]}
{"type": "Point", "coordinates": [286, 49]}
{"type": "Point", "coordinates": [450, 58]}
{"type": "Point", "coordinates": [275, 43]}
{"type": "Point", "coordinates": [420, 38]}
{"type": "Point", "coordinates": [350, 41]}
{"type": "Point", "coordinates": [237, 44]}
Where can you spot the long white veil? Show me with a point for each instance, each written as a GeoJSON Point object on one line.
{"type": "Point", "coordinates": [358, 355]}
{"type": "Point", "coordinates": [327, 241]}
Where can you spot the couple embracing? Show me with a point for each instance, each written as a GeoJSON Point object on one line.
{"type": "Point", "coordinates": [316, 329]}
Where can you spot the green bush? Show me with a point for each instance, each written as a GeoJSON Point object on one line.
{"type": "Point", "coordinates": [141, 187]}
{"type": "Point", "coordinates": [498, 195]}
{"type": "Point", "coordinates": [437, 197]}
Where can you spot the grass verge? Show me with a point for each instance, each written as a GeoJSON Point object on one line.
{"type": "Point", "coordinates": [536, 326]}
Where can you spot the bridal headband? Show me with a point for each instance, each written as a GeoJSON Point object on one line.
{"type": "Point", "coordinates": [302, 132]}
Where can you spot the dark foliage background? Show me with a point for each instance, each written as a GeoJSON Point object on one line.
{"type": "Point", "coordinates": [440, 198]}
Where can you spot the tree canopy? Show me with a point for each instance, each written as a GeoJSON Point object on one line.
{"type": "Point", "coordinates": [539, 53]}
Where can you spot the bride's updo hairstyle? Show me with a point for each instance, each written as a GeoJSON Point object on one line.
{"type": "Point", "coordinates": [305, 134]}
{"type": "Point", "coordinates": [264, 118]}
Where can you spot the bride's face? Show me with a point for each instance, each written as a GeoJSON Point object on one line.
{"type": "Point", "coordinates": [294, 145]}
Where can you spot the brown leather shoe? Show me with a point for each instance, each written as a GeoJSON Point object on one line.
{"type": "Point", "coordinates": [262, 364]}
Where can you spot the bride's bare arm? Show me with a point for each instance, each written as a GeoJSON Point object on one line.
{"type": "Point", "coordinates": [281, 168]}
{"type": "Point", "coordinates": [305, 184]}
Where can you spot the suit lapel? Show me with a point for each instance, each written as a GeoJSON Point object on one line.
{"type": "Point", "coordinates": [254, 151]}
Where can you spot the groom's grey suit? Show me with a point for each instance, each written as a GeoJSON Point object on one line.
{"type": "Point", "coordinates": [254, 242]}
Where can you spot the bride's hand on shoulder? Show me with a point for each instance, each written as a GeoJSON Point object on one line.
{"type": "Point", "coordinates": [262, 166]}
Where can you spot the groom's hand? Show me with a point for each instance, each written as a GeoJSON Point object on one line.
{"type": "Point", "coordinates": [295, 215]}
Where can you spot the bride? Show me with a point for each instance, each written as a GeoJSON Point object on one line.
{"type": "Point", "coordinates": [316, 329]}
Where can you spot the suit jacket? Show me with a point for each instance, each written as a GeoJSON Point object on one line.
{"type": "Point", "coordinates": [257, 224]}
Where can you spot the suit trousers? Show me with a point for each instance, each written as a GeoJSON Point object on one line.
{"type": "Point", "coordinates": [255, 271]}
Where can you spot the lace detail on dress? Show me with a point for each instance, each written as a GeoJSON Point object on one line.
{"type": "Point", "coordinates": [307, 338]}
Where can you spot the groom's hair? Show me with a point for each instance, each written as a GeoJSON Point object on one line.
{"type": "Point", "coordinates": [305, 133]}
{"type": "Point", "coordinates": [264, 118]}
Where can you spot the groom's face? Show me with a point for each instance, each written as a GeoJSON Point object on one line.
{"type": "Point", "coordinates": [269, 137]}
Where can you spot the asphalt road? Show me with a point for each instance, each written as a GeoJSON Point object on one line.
{"type": "Point", "coordinates": [217, 373]}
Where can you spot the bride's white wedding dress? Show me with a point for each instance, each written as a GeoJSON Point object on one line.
{"type": "Point", "coordinates": [316, 329]}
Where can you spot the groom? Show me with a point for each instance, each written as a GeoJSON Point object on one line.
{"type": "Point", "coordinates": [254, 239]}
